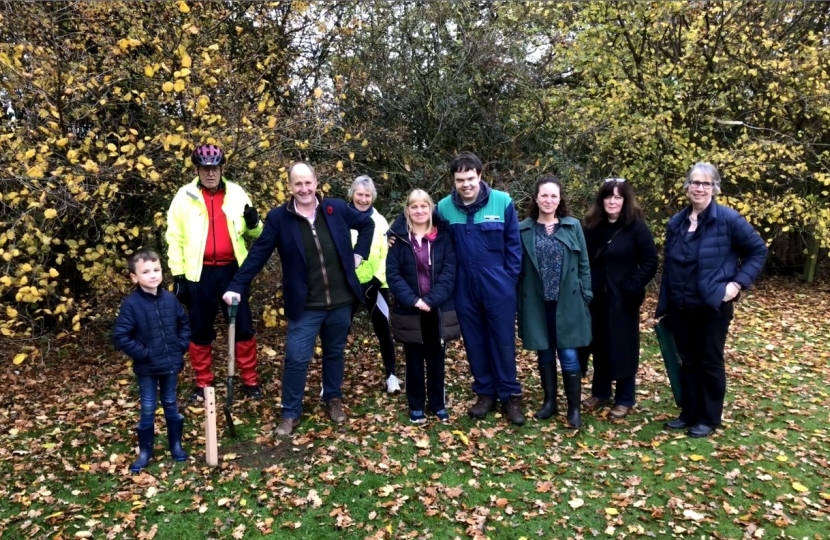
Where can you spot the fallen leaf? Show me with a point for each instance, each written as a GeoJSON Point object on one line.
{"type": "Point", "coordinates": [799, 487]}
{"type": "Point", "coordinates": [461, 436]}
{"type": "Point", "coordinates": [691, 514]}
{"type": "Point", "coordinates": [577, 503]}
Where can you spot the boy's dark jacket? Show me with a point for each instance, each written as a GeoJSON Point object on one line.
{"type": "Point", "coordinates": [154, 331]}
{"type": "Point", "coordinates": [402, 277]}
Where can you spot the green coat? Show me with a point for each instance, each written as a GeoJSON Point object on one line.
{"type": "Point", "coordinates": [573, 320]}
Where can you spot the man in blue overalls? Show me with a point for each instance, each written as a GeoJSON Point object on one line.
{"type": "Point", "coordinates": [489, 252]}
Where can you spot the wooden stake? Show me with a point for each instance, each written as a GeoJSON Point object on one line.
{"type": "Point", "coordinates": [211, 442]}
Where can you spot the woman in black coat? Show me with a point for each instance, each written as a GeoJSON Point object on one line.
{"type": "Point", "coordinates": [420, 271]}
{"type": "Point", "coordinates": [623, 260]}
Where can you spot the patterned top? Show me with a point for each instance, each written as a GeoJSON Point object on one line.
{"type": "Point", "coordinates": [550, 253]}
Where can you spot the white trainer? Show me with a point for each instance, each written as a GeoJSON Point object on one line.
{"type": "Point", "coordinates": [393, 385]}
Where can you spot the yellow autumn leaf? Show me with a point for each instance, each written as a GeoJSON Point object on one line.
{"type": "Point", "coordinates": [167, 87]}
{"type": "Point", "coordinates": [18, 359]}
{"type": "Point", "coordinates": [696, 457]}
{"type": "Point", "coordinates": [84, 466]}
{"type": "Point", "coordinates": [799, 487]}
{"type": "Point", "coordinates": [183, 7]}
{"type": "Point", "coordinates": [186, 61]}
{"type": "Point", "coordinates": [612, 511]}
{"type": "Point", "coordinates": [11, 313]}
{"type": "Point", "coordinates": [781, 457]}
{"type": "Point", "coordinates": [179, 86]}
{"type": "Point", "coordinates": [461, 436]}
{"type": "Point", "coordinates": [50, 213]}
{"type": "Point", "coordinates": [149, 71]}
{"type": "Point", "coordinates": [825, 496]}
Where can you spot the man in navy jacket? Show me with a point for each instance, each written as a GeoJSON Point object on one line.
{"type": "Point", "coordinates": [313, 238]}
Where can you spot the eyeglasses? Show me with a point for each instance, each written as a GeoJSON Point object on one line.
{"type": "Point", "coordinates": [704, 185]}
{"type": "Point", "coordinates": [617, 180]}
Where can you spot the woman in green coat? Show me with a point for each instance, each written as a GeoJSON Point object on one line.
{"type": "Point", "coordinates": [554, 292]}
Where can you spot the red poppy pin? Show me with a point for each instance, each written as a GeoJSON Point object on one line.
{"type": "Point", "coordinates": [330, 210]}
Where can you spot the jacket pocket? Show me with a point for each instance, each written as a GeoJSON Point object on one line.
{"type": "Point", "coordinates": [493, 234]}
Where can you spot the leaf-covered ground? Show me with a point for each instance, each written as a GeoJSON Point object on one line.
{"type": "Point", "coordinates": [66, 439]}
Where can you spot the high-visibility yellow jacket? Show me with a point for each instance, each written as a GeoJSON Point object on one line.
{"type": "Point", "coordinates": [187, 227]}
{"type": "Point", "coordinates": [375, 265]}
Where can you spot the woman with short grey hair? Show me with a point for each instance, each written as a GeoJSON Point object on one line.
{"type": "Point", "coordinates": [711, 254]}
{"type": "Point", "coordinates": [372, 276]}
{"type": "Point", "coordinates": [709, 171]}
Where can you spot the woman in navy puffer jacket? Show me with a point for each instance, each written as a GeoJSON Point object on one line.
{"type": "Point", "coordinates": [712, 254]}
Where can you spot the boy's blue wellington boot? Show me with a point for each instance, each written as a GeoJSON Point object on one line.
{"type": "Point", "coordinates": [175, 426]}
{"type": "Point", "coordinates": [146, 437]}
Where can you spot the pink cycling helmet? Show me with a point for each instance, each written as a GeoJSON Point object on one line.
{"type": "Point", "coordinates": [208, 155]}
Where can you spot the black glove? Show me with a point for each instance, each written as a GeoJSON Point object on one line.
{"type": "Point", "coordinates": [251, 216]}
{"type": "Point", "coordinates": [182, 290]}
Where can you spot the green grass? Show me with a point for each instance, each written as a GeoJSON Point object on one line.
{"type": "Point", "coordinates": [65, 449]}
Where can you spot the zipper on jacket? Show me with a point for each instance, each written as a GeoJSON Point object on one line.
{"type": "Point", "coordinates": [163, 333]}
{"type": "Point", "coordinates": [212, 226]}
{"type": "Point", "coordinates": [322, 262]}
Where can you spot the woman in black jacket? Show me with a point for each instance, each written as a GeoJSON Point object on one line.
{"type": "Point", "coordinates": [420, 271]}
{"type": "Point", "coordinates": [623, 260]}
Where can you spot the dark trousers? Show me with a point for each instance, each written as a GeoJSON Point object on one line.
{"type": "Point", "coordinates": [624, 394]}
{"type": "Point", "coordinates": [206, 297]}
{"type": "Point", "coordinates": [700, 336]}
{"type": "Point", "coordinates": [380, 323]}
{"type": "Point", "coordinates": [431, 353]}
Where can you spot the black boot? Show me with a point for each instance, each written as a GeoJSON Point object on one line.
{"type": "Point", "coordinates": [175, 427]}
{"type": "Point", "coordinates": [547, 373]}
{"type": "Point", "coordinates": [146, 437]}
{"type": "Point", "coordinates": [573, 391]}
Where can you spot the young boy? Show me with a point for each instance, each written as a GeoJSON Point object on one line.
{"type": "Point", "coordinates": [152, 328]}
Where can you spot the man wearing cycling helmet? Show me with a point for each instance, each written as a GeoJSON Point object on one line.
{"type": "Point", "coordinates": [207, 223]}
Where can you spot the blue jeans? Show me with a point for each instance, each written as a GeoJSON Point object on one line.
{"type": "Point", "coordinates": [150, 387]}
{"type": "Point", "coordinates": [568, 358]}
{"type": "Point", "coordinates": [624, 394]}
{"type": "Point", "coordinates": [333, 328]}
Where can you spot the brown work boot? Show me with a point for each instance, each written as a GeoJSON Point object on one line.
{"type": "Point", "coordinates": [482, 406]}
{"type": "Point", "coordinates": [334, 408]}
{"type": "Point", "coordinates": [514, 410]}
{"type": "Point", "coordinates": [593, 403]}
{"type": "Point", "coordinates": [618, 412]}
{"type": "Point", "coordinates": [287, 426]}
